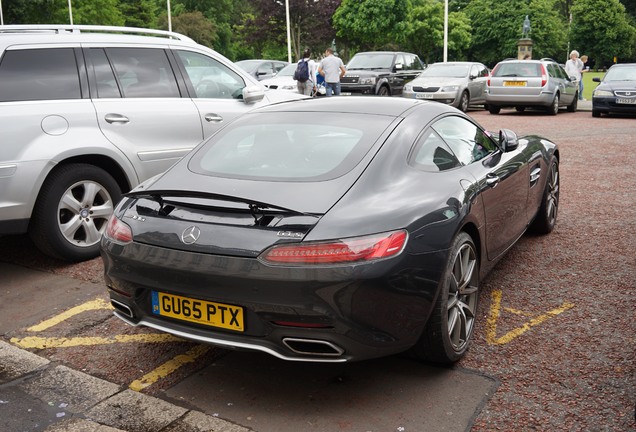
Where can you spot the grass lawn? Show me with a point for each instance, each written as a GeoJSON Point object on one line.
{"type": "Point", "coordinates": [588, 85]}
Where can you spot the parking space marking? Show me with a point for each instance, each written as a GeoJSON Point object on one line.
{"type": "Point", "coordinates": [495, 313]}
{"type": "Point", "coordinates": [164, 370]}
{"type": "Point", "coordinates": [169, 367]}
{"type": "Point", "coordinates": [36, 342]}
{"type": "Point", "coordinates": [90, 305]}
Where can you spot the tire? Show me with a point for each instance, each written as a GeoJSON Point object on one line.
{"type": "Point", "coordinates": [449, 330]}
{"type": "Point", "coordinates": [494, 109]}
{"type": "Point", "coordinates": [464, 101]}
{"type": "Point", "coordinates": [384, 91]}
{"type": "Point", "coordinates": [596, 113]}
{"type": "Point", "coordinates": [553, 109]}
{"type": "Point", "coordinates": [546, 218]}
{"type": "Point", "coordinates": [575, 104]}
{"type": "Point", "coordinates": [71, 211]}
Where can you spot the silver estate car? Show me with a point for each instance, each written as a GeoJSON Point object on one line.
{"type": "Point", "coordinates": [522, 84]}
{"type": "Point", "coordinates": [460, 84]}
{"type": "Point", "coordinates": [89, 112]}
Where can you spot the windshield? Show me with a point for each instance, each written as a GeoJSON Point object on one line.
{"type": "Point", "coordinates": [623, 73]}
{"type": "Point", "coordinates": [371, 61]}
{"type": "Point", "coordinates": [446, 71]}
{"type": "Point", "coordinates": [287, 70]}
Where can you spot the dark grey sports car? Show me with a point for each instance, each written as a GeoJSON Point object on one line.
{"type": "Point", "coordinates": [330, 230]}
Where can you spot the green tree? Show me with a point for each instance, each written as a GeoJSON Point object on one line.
{"type": "Point", "coordinates": [139, 13]}
{"type": "Point", "coordinates": [372, 24]}
{"type": "Point", "coordinates": [497, 28]}
{"type": "Point", "coordinates": [90, 12]}
{"type": "Point", "coordinates": [193, 25]}
{"type": "Point", "coordinates": [601, 29]}
{"type": "Point", "coordinates": [425, 32]}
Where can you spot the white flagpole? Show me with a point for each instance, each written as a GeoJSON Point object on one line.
{"type": "Point", "coordinates": [445, 31]}
{"type": "Point", "coordinates": [1, 17]}
{"type": "Point", "coordinates": [70, 11]}
{"type": "Point", "coordinates": [289, 55]}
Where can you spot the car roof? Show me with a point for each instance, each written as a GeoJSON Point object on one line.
{"type": "Point", "coordinates": [377, 105]}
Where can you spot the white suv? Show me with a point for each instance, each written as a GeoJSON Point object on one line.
{"type": "Point", "coordinates": [89, 112]}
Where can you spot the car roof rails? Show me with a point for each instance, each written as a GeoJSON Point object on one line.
{"type": "Point", "coordinates": [63, 28]}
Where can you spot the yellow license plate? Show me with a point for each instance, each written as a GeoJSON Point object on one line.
{"type": "Point", "coordinates": [198, 311]}
{"type": "Point", "coordinates": [514, 83]}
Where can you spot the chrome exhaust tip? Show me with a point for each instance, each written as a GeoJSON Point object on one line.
{"type": "Point", "coordinates": [313, 347]}
{"type": "Point", "coordinates": [122, 308]}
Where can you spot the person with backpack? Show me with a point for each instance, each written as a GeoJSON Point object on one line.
{"type": "Point", "coordinates": [305, 74]}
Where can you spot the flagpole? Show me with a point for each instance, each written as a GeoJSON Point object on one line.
{"type": "Point", "coordinates": [445, 31]}
{"type": "Point", "coordinates": [169, 17]}
{"type": "Point", "coordinates": [289, 56]}
{"type": "Point", "coordinates": [1, 17]}
{"type": "Point", "coordinates": [70, 11]}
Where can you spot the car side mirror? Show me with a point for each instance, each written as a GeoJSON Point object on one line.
{"type": "Point", "coordinates": [253, 94]}
{"type": "Point", "coordinates": [508, 140]}
{"type": "Point", "coordinates": [399, 66]}
{"type": "Point", "coordinates": [596, 79]}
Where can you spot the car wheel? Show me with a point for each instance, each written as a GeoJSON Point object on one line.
{"type": "Point", "coordinates": [596, 113]}
{"type": "Point", "coordinates": [575, 103]}
{"type": "Point", "coordinates": [494, 109]}
{"type": "Point", "coordinates": [448, 332]}
{"type": "Point", "coordinates": [554, 108]}
{"type": "Point", "coordinates": [464, 101]}
{"type": "Point", "coordinates": [384, 91]}
{"type": "Point", "coordinates": [72, 210]}
{"type": "Point", "coordinates": [546, 218]}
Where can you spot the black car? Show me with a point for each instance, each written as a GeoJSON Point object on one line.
{"type": "Point", "coordinates": [357, 236]}
{"type": "Point", "coordinates": [382, 73]}
{"type": "Point", "coordinates": [616, 93]}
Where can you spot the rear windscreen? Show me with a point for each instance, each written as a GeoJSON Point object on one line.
{"type": "Point", "coordinates": [521, 69]}
{"type": "Point", "coordinates": [301, 146]}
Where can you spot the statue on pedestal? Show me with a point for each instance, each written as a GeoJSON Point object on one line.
{"type": "Point", "coordinates": [526, 28]}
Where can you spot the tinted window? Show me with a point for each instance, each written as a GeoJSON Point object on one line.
{"type": "Point", "coordinates": [468, 142]}
{"type": "Point", "coordinates": [294, 146]}
{"type": "Point", "coordinates": [413, 62]}
{"type": "Point", "coordinates": [431, 153]}
{"type": "Point", "coordinates": [39, 74]}
{"type": "Point", "coordinates": [210, 78]}
{"type": "Point", "coordinates": [143, 72]}
{"type": "Point", "coordinates": [106, 84]}
{"type": "Point", "coordinates": [519, 69]}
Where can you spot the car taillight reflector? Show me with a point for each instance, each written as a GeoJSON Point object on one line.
{"type": "Point", "coordinates": [544, 76]}
{"type": "Point", "coordinates": [355, 249]}
{"type": "Point", "coordinates": [118, 231]}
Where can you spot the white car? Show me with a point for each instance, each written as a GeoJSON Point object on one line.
{"type": "Point", "coordinates": [89, 112]}
{"type": "Point", "coordinates": [284, 80]}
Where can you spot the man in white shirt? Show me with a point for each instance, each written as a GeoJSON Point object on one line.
{"type": "Point", "coordinates": [332, 68]}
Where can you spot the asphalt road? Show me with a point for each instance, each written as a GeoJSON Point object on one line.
{"type": "Point", "coordinates": [546, 355]}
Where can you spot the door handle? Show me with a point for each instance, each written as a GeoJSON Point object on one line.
{"type": "Point", "coordinates": [213, 118]}
{"type": "Point", "coordinates": [492, 180]}
{"type": "Point", "coordinates": [116, 118]}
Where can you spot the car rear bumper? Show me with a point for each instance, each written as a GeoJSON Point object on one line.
{"type": "Point", "coordinates": [543, 99]}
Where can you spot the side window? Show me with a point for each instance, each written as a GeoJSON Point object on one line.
{"type": "Point", "coordinates": [39, 74]}
{"type": "Point", "coordinates": [483, 71]}
{"type": "Point", "coordinates": [431, 153]}
{"type": "Point", "coordinates": [467, 141]}
{"type": "Point", "coordinates": [552, 71]}
{"type": "Point", "coordinates": [265, 69]}
{"type": "Point", "coordinates": [278, 67]}
{"type": "Point", "coordinates": [143, 72]}
{"type": "Point", "coordinates": [106, 84]}
{"type": "Point", "coordinates": [210, 78]}
{"type": "Point", "coordinates": [413, 62]}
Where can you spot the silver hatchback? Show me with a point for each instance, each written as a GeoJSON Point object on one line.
{"type": "Point", "coordinates": [89, 112]}
{"type": "Point", "coordinates": [522, 84]}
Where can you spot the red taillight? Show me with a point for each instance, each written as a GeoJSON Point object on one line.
{"type": "Point", "coordinates": [544, 76]}
{"type": "Point", "coordinates": [355, 249]}
{"type": "Point", "coordinates": [118, 231]}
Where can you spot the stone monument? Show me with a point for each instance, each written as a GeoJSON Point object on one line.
{"type": "Point", "coordinates": [524, 47]}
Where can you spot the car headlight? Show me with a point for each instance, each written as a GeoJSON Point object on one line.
{"type": "Point", "coordinates": [408, 88]}
{"type": "Point", "coordinates": [450, 88]}
{"type": "Point", "coordinates": [367, 80]}
{"type": "Point", "coordinates": [289, 87]}
{"type": "Point", "coordinates": [602, 93]}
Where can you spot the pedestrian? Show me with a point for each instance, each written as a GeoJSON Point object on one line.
{"type": "Point", "coordinates": [306, 84]}
{"type": "Point", "coordinates": [586, 68]}
{"type": "Point", "coordinates": [332, 68]}
{"type": "Point", "coordinates": [574, 68]}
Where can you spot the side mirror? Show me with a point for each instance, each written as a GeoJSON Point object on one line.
{"type": "Point", "coordinates": [399, 66]}
{"type": "Point", "coordinates": [508, 140]}
{"type": "Point", "coordinates": [253, 94]}
{"type": "Point", "coordinates": [596, 79]}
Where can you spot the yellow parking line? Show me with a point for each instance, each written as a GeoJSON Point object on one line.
{"type": "Point", "coordinates": [168, 367]}
{"type": "Point", "coordinates": [36, 342]}
{"type": "Point", "coordinates": [91, 305]}
{"type": "Point", "coordinates": [495, 312]}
